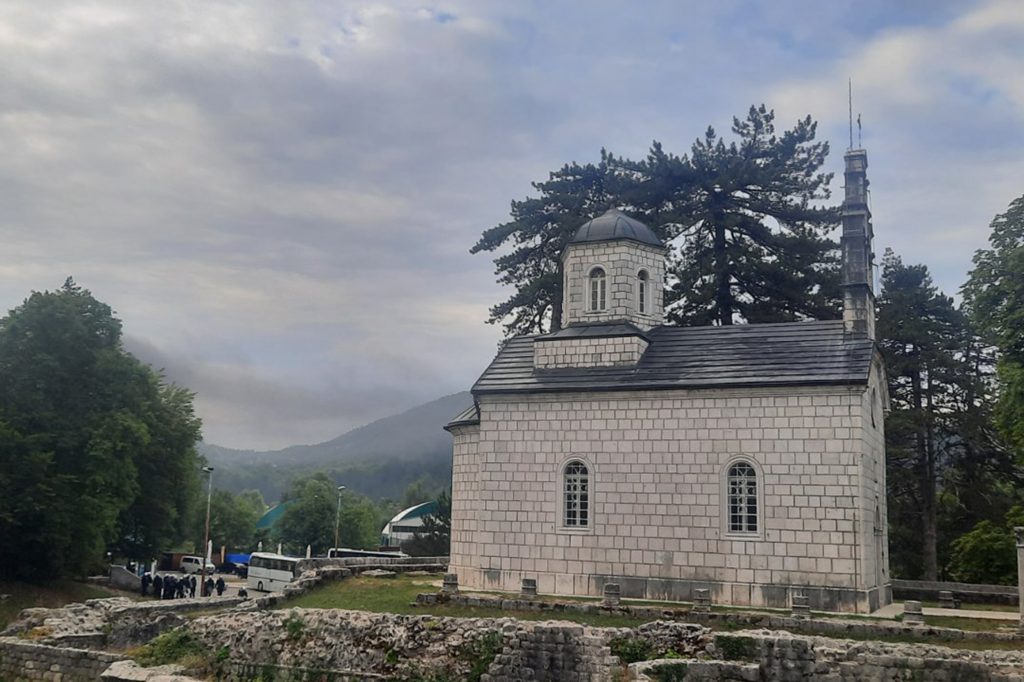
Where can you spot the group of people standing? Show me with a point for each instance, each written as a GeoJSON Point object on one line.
{"type": "Point", "coordinates": [172, 587]}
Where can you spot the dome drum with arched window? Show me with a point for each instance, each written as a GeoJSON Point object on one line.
{"type": "Point", "coordinates": [613, 269]}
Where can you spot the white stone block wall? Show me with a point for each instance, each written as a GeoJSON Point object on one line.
{"type": "Point", "coordinates": [874, 535]}
{"type": "Point", "coordinates": [622, 260]}
{"type": "Point", "coordinates": [658, 462]}
{"type": "Point", "coordinates": [588, 352]}
{"type": "Point", "coordinates": [466, 480]}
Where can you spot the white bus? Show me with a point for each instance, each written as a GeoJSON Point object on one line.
{"type": "Point", "coordinates": [270, 572]}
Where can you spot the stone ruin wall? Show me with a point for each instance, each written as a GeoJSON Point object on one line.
{"type": "Point", "coordinates": [284, 644]}
{"type": "Point", "coordinates": [24, 660]}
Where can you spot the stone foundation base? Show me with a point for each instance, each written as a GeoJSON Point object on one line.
{"type": "Point", "coordinates": [836, 599]}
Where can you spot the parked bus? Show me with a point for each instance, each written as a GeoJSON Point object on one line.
{"type": "Point", "coordinates": [270, 572]}
{"type": "Point", "coordinates": [344, 553]}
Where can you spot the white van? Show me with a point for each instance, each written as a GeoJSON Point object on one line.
{"type": "Point", "coordinates": [194, 564]}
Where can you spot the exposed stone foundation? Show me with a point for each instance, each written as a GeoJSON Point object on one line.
{"type": "Point", "coordinates": [834, 627]}
{"type": "Point", "coordinates": [769, 656]}
{"type": "Point", "coordinates": [776, 596]}
{"type": "Point", "coordinates": [22, 660]}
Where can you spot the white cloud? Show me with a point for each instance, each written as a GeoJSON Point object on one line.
{"type": "Point", "coordinates": [279, 198]}
{"type": "Point", "coordinates": [943, 112]}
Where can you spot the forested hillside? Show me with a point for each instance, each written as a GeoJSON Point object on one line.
{"type": "Point", "coordinates": [378, 460]}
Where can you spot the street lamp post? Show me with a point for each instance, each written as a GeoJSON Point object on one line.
{"type": "Point", "coordinates": [337, 517]}
{"type": "Point", "coordinates": [206, 537]}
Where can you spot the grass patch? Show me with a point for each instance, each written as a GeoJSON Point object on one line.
{"type": "Point", "coordinates": [395, 595]}
{"type": "Point", "coordinates": [48, 595]}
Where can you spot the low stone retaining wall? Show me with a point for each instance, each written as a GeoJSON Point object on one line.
{"type": "Point", "coordinates": [837, 627]}
{"type": "Point", "coordinates": [337, 645]}
{"type": "Point", "coordinates": [123, 579]}
{"type": "Point", "coordinates": [366, 645]}
{"type": "Point", "coordinates": [372, 562]}
{"type": "Point", "coordinates": [969, 593]}
{"type": "Point", "coordinates": [116, 622]}
{"type": "Point", "coordinates": [22, 660]}
{"type": "Point", "coordinates": [779, 654]}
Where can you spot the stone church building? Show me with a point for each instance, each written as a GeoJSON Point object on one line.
{"type": "Point", "coordinates": [746, 459]}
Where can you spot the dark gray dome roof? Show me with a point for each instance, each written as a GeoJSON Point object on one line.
{"type": "Point", "coordinates": [614, 224]}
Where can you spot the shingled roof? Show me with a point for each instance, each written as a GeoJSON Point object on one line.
{"type": "Point", "coordinates": [787, 354]}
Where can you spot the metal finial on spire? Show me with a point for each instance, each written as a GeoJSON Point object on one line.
{"type": "Point", "coordinates": [851, 112]}
{"type": "Point", "coordinates": [860, 143]}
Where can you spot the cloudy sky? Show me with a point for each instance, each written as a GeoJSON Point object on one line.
{"type": "Point", "coordinates": [278, 198]}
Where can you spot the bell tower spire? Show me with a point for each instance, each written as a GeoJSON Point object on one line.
{"type": "Point", "coordinates": [856, 242]}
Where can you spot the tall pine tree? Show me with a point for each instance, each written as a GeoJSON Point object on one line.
{"type": "Point", "coordinates": [754, 243]}
{"type": "Point", "coordinates": [538, 233]}
{"type": "Point", "coordinates": [920, 333]}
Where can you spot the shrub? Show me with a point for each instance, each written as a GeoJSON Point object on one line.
{"type": "Point", "coordinates": [631, 649]}
{"type": "Point", "coordinates": [294, 626]}
{"type": "Point", "coordinates": [480, 653]}
{"type": "Point", "coordinates": [173, 646]}
{"type": "Point", "coordinates": [987, 554]}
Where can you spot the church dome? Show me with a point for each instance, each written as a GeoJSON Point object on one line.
{"type": "Point", "coordinates": [614, 224]}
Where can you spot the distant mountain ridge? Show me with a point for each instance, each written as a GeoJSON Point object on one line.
{"type": "Point", "coordinates": [378, 460]}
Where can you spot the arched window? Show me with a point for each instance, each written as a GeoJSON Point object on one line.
{"type": "Point", "coordinates": [641, 290]}
{"type": "Point", "coordinates": [742, 491]}
{"type": "Point", "coordinates": [576, 487]}
{"type": "Point", "coordinates": [597, 290]}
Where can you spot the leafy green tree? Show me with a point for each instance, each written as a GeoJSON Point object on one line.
{"type": "Point", "coordinates": [96, 451]}
{"type": "Point", "coordinates": [988, 553]}
{"type": "Point", "coordinates": [994, 298]}
{"type": "Point", "coordinates": [360, 522]}
{"type": "Point", "coordinates": [309, 518]}
{"type": "Point", "coordinates": [313, 511]}
{"type": "Point", "coordinates": [233, 519]}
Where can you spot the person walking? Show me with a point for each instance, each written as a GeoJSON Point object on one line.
{"type": "Point", "coordinates": [209, 587]}
{"type": "Point", "coordinates": [158, 586]}
{"type": "Point", "coordinates": [192, 587]}
{"type": "Point", "coordinates": [145, 583]}
{"type": "Point", "coordinates": [221, 586]}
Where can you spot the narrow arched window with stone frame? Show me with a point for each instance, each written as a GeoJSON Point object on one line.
{"type": "Point", "coordinates": [642, 291]}
{"type": "Point", "coordinates": [598, 290]}
{"type": "Point", "coordinates": [576, 495]}
{"type": "Point", "coordinates": [741, 483]}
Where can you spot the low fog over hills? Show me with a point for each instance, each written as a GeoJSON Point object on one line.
{"type": "Point", "coordinates": [378, 460]}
